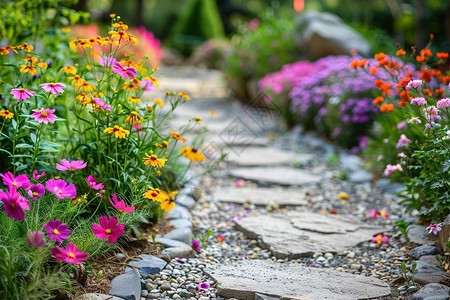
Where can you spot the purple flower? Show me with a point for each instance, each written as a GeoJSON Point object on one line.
{"type": "Point", "coordinates": [36, 191]}
{"type": "Point", "coordinates": [102, 104]}
{"type": "Point", "coordinates": [403, 141]}
{"type": "Point", "coordinates": [54, 88]}
{"type": "Point", "coordinates": [401, 125]}
{"type": "Point", "coordinates": [415, 120]}
{"type": "Point", "coordinates": [434, 228]}
{"type": "Point", "coordinates": [12, 182]}
{"type": "Point", "coordinates": [106, 61]}
{"type": "Point", "coordinates": [71, 165]}
{"type": "Point", "coordinates": [14, 204]}
{"type": "Point", "coordinates": [61, 188]}
{"type": "Point", "coordinates": [125, 72]}
{"type": "Point", "coordinates": [196, 245]}
{"type": "Point", "coordinates": [56, 231]}
{"type": "Point", "coordinates": [203, 286]}
{"type": "Point", "coordinates": [36, 239]}
{"type": "Point", "coordinates": [36, 175]}
{"type": "Point", "coordinates": [108, 228]}
{"type": "Point", "coordinates": [147, 84]}
{"type": "Point", "coordinates": [70, 255]}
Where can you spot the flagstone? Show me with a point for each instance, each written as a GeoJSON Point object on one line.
{"type": "Point", "coordinates": [260, 195]}
{"type": "Point", "coordinates": [299, 234]}
{"type": "Point", "coordinates": [261, 156]}
{"type": "Point", "coordinates": [245, 279]}
{"type": "Point", "coordinates": [277, 175]}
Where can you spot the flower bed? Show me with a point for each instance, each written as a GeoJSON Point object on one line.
{"type": "Point", "coordinates": [83, 160]}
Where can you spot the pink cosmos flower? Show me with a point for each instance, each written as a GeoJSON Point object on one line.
{"type": "Point", "coordinates": [239, 182]}
{"type": "Point", "coordinates": [54, 88]}
{"type": "Point", "coordinates": [71, 165]}
{"type": "Point", "coordinates": [196, 245]}
{"type": "Point", "coordinates": [125, 72]}
{"type": "Point", "coordinates": [61, 188]}
{"type": "Point", "coordinates": [21, 94]}
{"type": "Point", "coordinates": [203, 286]}
{"type": "Point", "coordinates": [56, 231]}
{"type": "Point", "coordinates": [36, 191]}
{"type": "Point", "coordinates": [14, 204]}
{"type": "Point", "coordinates": [20, 181]}
{"type": "Point", "coordinates": [70, 255]}
{"type": "Point", "coordinates": [36, 239]}
{"type": "Point", "coordinates": [380, 239]}
{"type": "Point", "coordinates": [403, 141]}
{"type": "Point", "coordinates": [120, 205]}
{"type": "Point", "coordinates": [106, 61]}
{"type": "Point", "coordinates": [92, 181]}
{"type": "Point", "coordinates": [443, 103]}
{"type": "Point", "coordinates": [137, 126]}
{"type": "Point", "coordinates": [108, 228]}
{"type": "Point", "coordinates": [147, 84]}
{"type": "Point", "coordinates": [419, 101]}
{"type": "Point", "coordinates": [36, 175]}
{"type": "Point", "coordinates": [44, 115]}
{"type": "Point", "coordinates": [401, 125]}
{"type": "Point", "coordinates": [414, 84]}
{"type": "Point", "coordinates": [434, 228]}
{"type": "Point", "coordinates": [102, 104]}
{"type": "Point", "coordinates": [375, 214]}
{"type": "Point", "coordinates": [391, 168]}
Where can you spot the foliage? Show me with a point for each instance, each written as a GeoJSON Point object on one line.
{"type": "Point", "coordinates": [404, 228]}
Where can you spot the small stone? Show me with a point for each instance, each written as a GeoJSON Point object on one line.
{"type": "Point", "coordinates": [176, 296]}
{"type": "Point", "coordinates": [150, 286]}
{"type": "Point", "coordinates": [181, 234]}
{"type": "Point", "coordinates": [411, 289]}
{"type": "Point", "coordinates": [166, 287]}
{"type": "Point", "coordinates": [328, 255]}
{"type": "Point", "coordinates": [121, 257]}
{"type": "Point", "coordinates": [144, 293]}
{"type": "Point", "coordinates": [350, 255]}
{"type": "Point", "coordinates": [358, 267]}
{"type": "Point", "coordinates": [340, 269]}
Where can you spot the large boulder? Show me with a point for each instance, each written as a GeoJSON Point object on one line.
{"type": "Point", "coordinates": [323, 34]}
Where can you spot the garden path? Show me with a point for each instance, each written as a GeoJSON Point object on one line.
{"type": "Point", "coordinates": [292, 228]}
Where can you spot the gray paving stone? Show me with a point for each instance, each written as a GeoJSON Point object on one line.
{"type": "Point", "coordinates": [127, 286]}
{"type": "Point", "coordinates": [180, 223]}
{"type": "Point", "coordinates": [180, 234]}
{"type": "Point", "coordinates": [277, 175]}
{"type": "Point", "coordinates": [185, 200]}
{"type": "Point", "coordinates": [168, 243]}
{"type": "Point", "coordinates": [243, 279]}
{"type": "Point", "coordinates": [178, 212]}
{"type": "Point", "coordinates": [97, 296]}
{"type": "Point", "coordinates": [260, 195]}
{"type": "Point", "coordinates": [182, 251]}
{"type": "Point", "coordinates": [264, 156]}
{"type": "Point", "coordinates": [299, 234]}
{"type": "Point", "coordinates": [149, 264]}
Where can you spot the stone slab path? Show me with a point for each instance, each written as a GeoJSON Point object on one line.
{"type": "Point", "coordinates": [265, 156]}
{"type": "Point", "coordinates": [276, 175]}
{"type": "Point", "coordinates": [242, 280]}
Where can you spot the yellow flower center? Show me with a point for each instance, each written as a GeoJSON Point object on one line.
{"type": "Point", "coordinates": [44, 114]}
{"type": "Point", "coordinates": [52, 84]}
{"type": "Point", "coordinates": [14, 184]}
{"type": "Point", "coordinates": [55, 231]}
{"type": "Point", "coordinates": [153, 157]}
{"type": "Point", "coordinates": [35, 194]}
{"type": "Point", "coordinates": [124, 68]}
{"type": "Point", "coordinates": [13, 204]}
{"type": "Point", "coordinates": [22, 90]}
{"type": "Point", "coordinates": [120, 210]}
{"type": "Point", "coordinates": [71, 255]}
{"type": "Point", "coordinates": [60, 191]}
{"type": "Point", "coordinates": [154, 194]}
{"type": "Point", "coordinates": [72, 169]}
{"type": "Point", "coordinates": [108, 231]}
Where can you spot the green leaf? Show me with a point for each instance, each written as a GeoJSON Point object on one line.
{"type": "Point", "coordinates": [24, 146]}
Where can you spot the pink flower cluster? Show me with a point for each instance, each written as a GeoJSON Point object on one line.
{"type": "Point", "coordinates": [391, 168]}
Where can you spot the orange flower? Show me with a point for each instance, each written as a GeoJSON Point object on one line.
{"type": "Point", "coordinates": [439, 91]}
{"type": "Point", "coordinates": [177, 136]}
{"type": "Point", "coordinates": [155, 195]}
{"type": "Point", "coordinates": [354, 64]}
{"type": "Point", "coordinates": [400, 52]}
{"type": "Point", "coordinates": [403, 83]}
{"type": "Point", "coordinates": [405, 95]}
{"type": "Point", "coordinates": [118, 131]}
{"type": "Point", "coordinates": [154, 161]}
{"type": "Point", "coordinates": [86, 86]}
{"type": "Point", "coordinates": [184, 95]}
{"type": "Point", "coordinates": [377, 100]}
{"type": "Point", "coordinates": [384, 62]}
{"type": "Point", "coordinates": [428, 92]}
{"type": "Point", "coordinates": [420, 58]}
{"type": "Point", "coordinates": [373, 70]}
{"type": "Point", "coordinates": [426, 75]}
{"type": "Point", "coordinates": [69, 70]}
{"type": "Point", "coordinates": [25, 47]}
{"type": "Point", "coordinates": [378, 82]}
{"type": "Point", "coordinates": [402, 102]}
{"type": "Point", "coordinates": [28, 69]}
{"type": "Point", "coordinates": [380, 56]}
{"type": "Point", "coordinates": [442, 55]}
{"type": "Point", "coordinates": [387, 107]}
{"type": "Point", "coordinates": [425, 52]}
{"type": "Point", "coordinates": [192, 154]}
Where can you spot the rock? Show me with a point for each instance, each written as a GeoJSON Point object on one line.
{"type": "Point", "coordinates": [260, 195]}
{"type": "Point", "coordinates": [185, 200]}
{"type": "Point", "coordinates": [127, 286]}
{"type": "Point", "coordinates": [426, 273]}
{"type": "Point", "coordinates": [150, 286]}
{"type": "Point", "coordinates": [264, 297]}
{"type": "Point", "coordinates": [180, 234]}
{"type": "Point", "coordinates": [431, 260]}
{"type": "Point", "coordinates": [178, 212]}
{"type": "Point", "coordinates": [298, 234]}
{"type": "Point", "coordinates": [418, 235]}
{"type": "Point", "coordinates": [444, 234]}
{"type": "Point", "coordinates": [277, 175]}
{"type": "Point", "coordinates": [324, 34]}
{"type": "Point", "coordinates": [148, 265]}
{"type": "Point", "coordinates": [432, 291]}
{"type": "Point", "coordinates": [184, 251]}
{"type": "Point", "coordinates": [264, 156]}
{"type": "Point", "coordinates": [168, 243]}
{"type": "Point", "coordinates": [243, 279]}
{"type": "Point", "coordinates": [97, 296]}
{"type": "Point", "coordinates": [180, 223]}
{"type": "Point", "coordinates": [351, 163]}
{"type": "Point", "coordinates": [360, 176]}
{"type": "Point", "coordinates": [166, 287]}
{"type": "Point", "coordinates": [420, 251]}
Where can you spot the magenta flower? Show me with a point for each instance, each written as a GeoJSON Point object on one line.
{"type": "Point", "coordinates": [434, 228]}
{"type": "Point", "coordinates": [36, 191]}
{"type": "Point", "coordinates": [203, 286]}
{"type": "Point", "coordinates": [36, 175]}
{"type": "Point", "coordinates": [401, 125]}
{"type": "Point", "coordinates": [196, 245]}
{"type": "Point", "coordinates": [147, 84]}
{"type": "Point", "coordinates": [108, 228]}
{"type": "Point", "coordinates": [102, 104]}
{"type": "Point", "coordinates": [375, 214]}
{"type": "Point", "coordinates": [403, 141]}
{"type": "Point", "coordinates": [54, 88]}
{"type": "Point", "coordinates": [414, 84]}
{"type": "Point", "coordinates": [71, 165]}
{"type": "Point", "coordinates": [237, 218]}
{"type": "Point", "coordinates": [21, 94]}
{"type": "Point", "coordinates": [56, 231]}
{"type": "Point", "coordinates": [61, 188]}
{"type": "Point", "coordinates": [125, 72]}
{"type": "Point", "coordinates": [443, 103]}
{"type": "Point", "coordinates": [36, 239]}
{"type": "Point", "coordinates": [419, 101]}
{"type": "Point", "coordinates": [44, 115]}
{"type": "Point", "coordinates": [20, 181]}
{"type": "Point", "coordinates": [14, 204]}
{"type": "Point", "coordinates": [380, 239]}
{"type": "Point", "coordinates": [92, 181]}
{"type": "Point", "coordinates": [70, 255]}
{"type": "Point", "coordinates": [391, 168]}
{"type": "Point", "coordinates": [120, 205]}
{"type": "Point", "coordinates": [106, 61]}
{"type": "Point", "coordinates": [239, 182]}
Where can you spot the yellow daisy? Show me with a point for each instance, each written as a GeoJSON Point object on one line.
{"type": "Point", "coordinates": [155, 195]}
{"type": "Point", "coordinates": [192, 154]}
{"type": "Point", "coordinates": [118, 131]}
{"type": "Point", "coordinates": [154, 160]}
